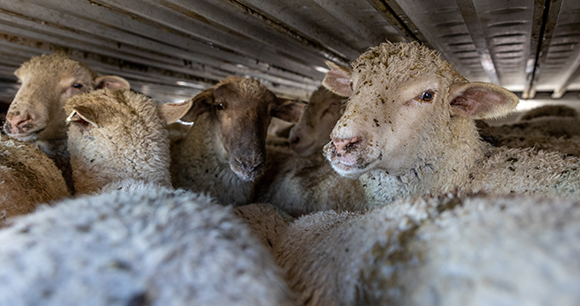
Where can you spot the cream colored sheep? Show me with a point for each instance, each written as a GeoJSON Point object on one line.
{"type": "Point", "coordinates": [445, 250]}
{"type": "Point", "coordinates": [117, 137]}
{"type": "Point", "coordinates": [224, 152]}
{"type": "Point", "coordinates": [36, 114]}
{"type": "Point", "coordinates": [144, 246]}
{"type": "Point", "coordinates": [27, 178]}
{"type": "Point", "coordinates": [312, 132]}
{"type": "Point", "coordinates": [408, 129]}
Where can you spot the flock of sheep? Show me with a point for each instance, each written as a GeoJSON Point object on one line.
{"type": "Point", "coordinates": [412, 200]}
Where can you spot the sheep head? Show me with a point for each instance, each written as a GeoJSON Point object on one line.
{"type": "Point", "coordinates": [47, 81]}
{"type": "Point", "coordinates": [406, 107]}
{"type": "Point", "coordinates": [241, 110]}
{"type": "Point", "coordinates": [312, 132]}
{"type": "Point", "coordinates": [115, 135]}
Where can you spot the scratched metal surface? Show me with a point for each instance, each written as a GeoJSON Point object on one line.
{"type": "Point", "coordinates": [172, 49]}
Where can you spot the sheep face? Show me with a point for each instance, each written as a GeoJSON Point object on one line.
{"type": "Point", "coordinates": [309, 135]}
{"type": "Point", "coordinates": [241, 110]}
{"type": "Point", "coordinates": [46, 83]}
{"type": "Point", "coordinates": [406, 107]}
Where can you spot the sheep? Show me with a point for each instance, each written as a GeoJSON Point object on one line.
{"type": "Point", "coordinates": [301, 185]}
{"type": "Point", "coordinates": [28, 178]}
{"type": "Point", "coordinates": [138, 246]}
{"type": "Point", "coordinates": [550, 111]}
{"type": "Point", "coordinates": [560, 134]}
{"type": "Point", "coordinates": [313, 130]}
{"type": "Point", "coordinates": [224, 152]}
{"type": "Point", "coordinates": [117, 138]}
{"type": "Point", "coordinates": [408, 129]}
{"type": "Point", "coordinates": [36, 114]}
{"type": "Point", "coordinates": [439, 250]}
{"type": "Point", "coordinates": [267, 222]}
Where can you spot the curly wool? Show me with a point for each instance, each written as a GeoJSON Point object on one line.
{"type": "Point", "coordinates": [144, 246]}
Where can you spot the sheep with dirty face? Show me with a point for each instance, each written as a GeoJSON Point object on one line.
{"type": "Point", "coordinates": [27, 178]}
{"type": "Point", "coordinates": [118, 136]}
{"type": "Point", "coordinates": [36, 114]}
{"type": "Point", "coordinates": [225, 151]}
{"type": "Point", "coordinates": [408, 129]}
{"type": "Point", "coordinates": [140, 246]}
{"type": "Point", "coordinates": [312, 132]}
{"type": "Point", "coordinates": [444, 250]}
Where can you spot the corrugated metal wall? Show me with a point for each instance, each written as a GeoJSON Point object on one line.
{"type": "Point", "coordinates": [171, 49]}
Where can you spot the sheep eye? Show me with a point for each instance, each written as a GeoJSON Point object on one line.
{"type": "Point", "coordinates": [427, 96]}
{"type": "Point", "coordinates": [220, 106]}
{"type": "Point", "coordinates": [77, 85]}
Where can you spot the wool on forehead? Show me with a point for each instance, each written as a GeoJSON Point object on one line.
{"type": "Point", "coordinates": [404, 60]}
{"type": "Point", "coordinates": [56, 62]}
{"type": "Point", "coordinates": [246, 86]}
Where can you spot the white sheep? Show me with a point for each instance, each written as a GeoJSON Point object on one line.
{"type": "Point", "coordinates": [312, 132]}
{"type": "Point", "coordinates": [27, 178]}
{"type": "Point", "coordinates": [444, 250]}
{"type": "Point", "coordinates": [408, 129]}
{"type": "Point", "coordinates": [36, 114]}
{"type": "Point", "coordinates": [144, 246]}
{"type": "Point", "coordinates": [224, 152]}
{"type": "Point", "coordinates": [118, 138]}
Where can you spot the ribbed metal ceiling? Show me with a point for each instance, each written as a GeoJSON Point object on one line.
{"type": "Point", "coordinates": [172, 49]}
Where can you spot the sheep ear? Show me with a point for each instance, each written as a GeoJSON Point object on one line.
{"type": "Point", "coordinates": [337, 79]}
{"type": "Point", "coordinates": [171, 112]}
{"type": "Point", "coordinates": [479, 100]}
{"type": "Point", "coordinates": [111, 82]}
{"type": "Point", "coordinates": [289, 110]}
{"type": "Point", "coordinates": [199, 104]}
{"type": "Point", "coordinates": [83, 116]}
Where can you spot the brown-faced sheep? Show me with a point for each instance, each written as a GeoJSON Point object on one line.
{"type": "Point", "coordinates": [312, 132]}
{"type": "Point", "coordinates": [225, 151]}
{"type": "Point", "coordinates": [408, 129]}
{"type": "Point", "coordinates": [118, 137]}
{"type": "Point", "coordinates": [27, 178]}
{"type": "Point", "coordinates": [36, 114]}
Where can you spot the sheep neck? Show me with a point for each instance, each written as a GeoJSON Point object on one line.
{"type": "Point", "coordinates": [445, 167]}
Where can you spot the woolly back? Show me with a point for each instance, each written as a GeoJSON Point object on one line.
{"type": "Point", "coordinates": [116, 135]}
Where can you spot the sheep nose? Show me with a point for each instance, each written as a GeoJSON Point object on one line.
{"type": "Point", "coordinates": [19, 122]}
{"type": "Point", "coordinates": [345, 146]}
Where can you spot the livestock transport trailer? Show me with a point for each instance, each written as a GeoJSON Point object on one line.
{"type": "Point", "coordinates": [172, 50]}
